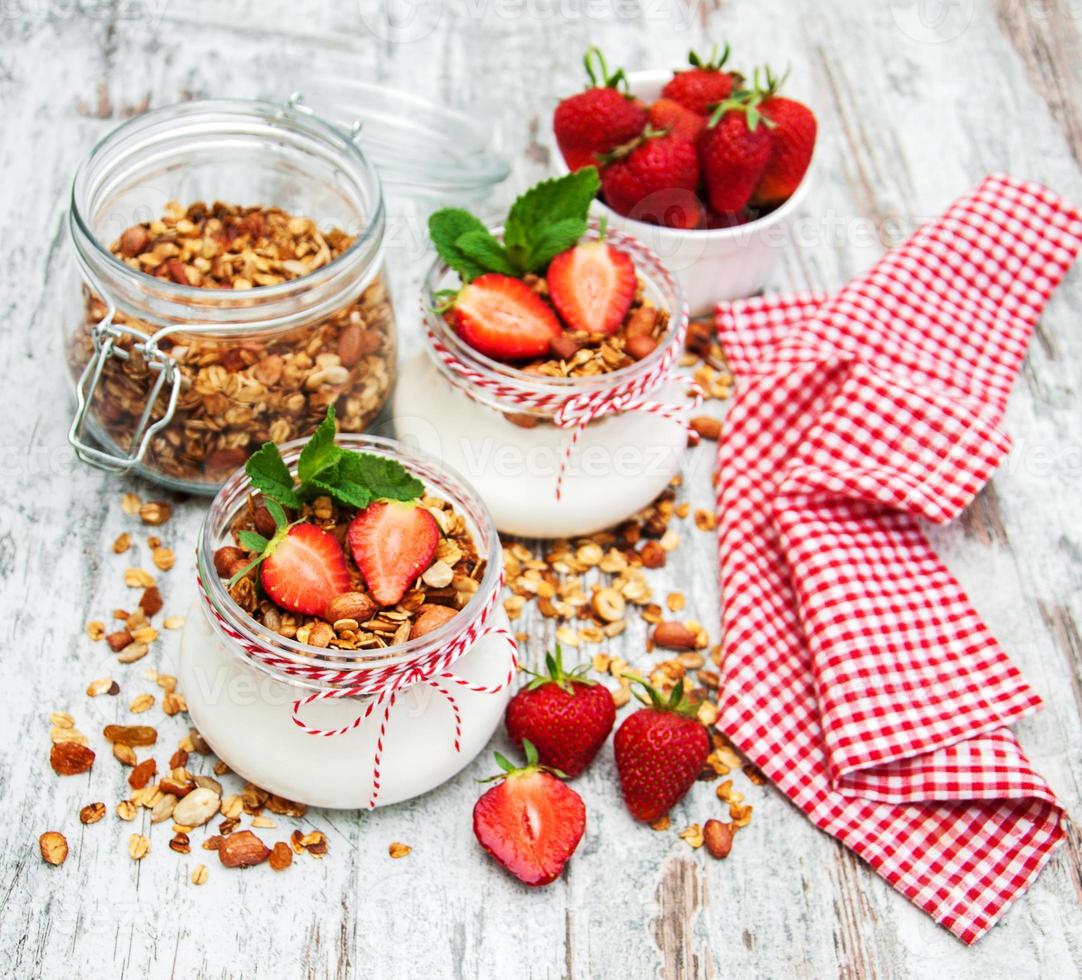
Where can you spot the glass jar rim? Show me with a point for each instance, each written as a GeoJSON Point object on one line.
{"type": "Point", "coordinates": [437, 476]}
{"type": "Point", "coordinates": [349, 156]}
{"type": "Point", "coordinates": [655, 273]}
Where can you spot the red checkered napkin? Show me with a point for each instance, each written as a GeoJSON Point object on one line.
{"type": "Point", "coordinates": [857, 674]}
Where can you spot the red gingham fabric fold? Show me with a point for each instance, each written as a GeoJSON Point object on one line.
{"type": "Point", "coordinates": [857, 675]}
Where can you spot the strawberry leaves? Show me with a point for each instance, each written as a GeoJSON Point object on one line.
{"type": "Point", "coordinates": [544, 221]}
{"type": "Point", "coordinates": [351, 478]}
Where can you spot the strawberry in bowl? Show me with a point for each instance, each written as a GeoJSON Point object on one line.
{"type": "Point", "coordinates": [713, 177]}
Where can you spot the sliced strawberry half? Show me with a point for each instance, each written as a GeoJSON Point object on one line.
{"type": "Point", "coordinates": [392, 543]}
{"type": "Point", "coordinates": [503, 318]}
{"type": "Point", "coordinates": [531, 822]}
{"type": "Point", "coordinates": [305, 569]}
{"type": "Point", "coordinates": [592, 286]}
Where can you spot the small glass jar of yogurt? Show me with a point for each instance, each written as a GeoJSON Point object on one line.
{"type": "Point", "coordinates": [551, 457]}
{"type": "Point", "coordinates": [262, 701]}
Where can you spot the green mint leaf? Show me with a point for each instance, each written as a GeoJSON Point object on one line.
{"type": "Point", "coordinates": [541, 207]}
{"type": "Point", "coordinates": [270, 475]}
{"type": "Point", "coordinates": [346, 492]}
{"type": "Point", "coordinates": [319, 452]}
{"type": "Point", "coordinates": [445, 228]}
{"type": "Point", "coordinates": [276, 512]}
{"type": "Point", "coordinates": [554, 239]}
{"type": "Point", "coordinates": [384, 478]}
{"type": "Point", "coordinates": [481, 247]}
{"type": "Point", "coordinates": [252, 541]}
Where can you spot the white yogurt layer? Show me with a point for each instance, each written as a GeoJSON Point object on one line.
{"type": "Point", "coordinates": [619, 465]}
{"type": "Point", "coordinates": [245, 715]}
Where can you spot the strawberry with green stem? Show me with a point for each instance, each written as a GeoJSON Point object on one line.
{"type": "Point", "coordinates": [566, 715]}
{"type": "Point", "coordinates": [660, 751]}
{"type": "Point", "coordinates": [704, 84]}
{"type": "Point", "coordinates": [792, 143]}
{"type": "Point", "coordinates": [734, 151]}
{"type": "Point", "coordinates": [654, 178]}
{"type": "Point", "coordinates": [604, 116]}
{"type": "Point", "coordinates": [530, 821]}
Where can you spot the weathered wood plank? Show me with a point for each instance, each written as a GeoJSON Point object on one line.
{"type": "Point", "coordinates": [907, 122]}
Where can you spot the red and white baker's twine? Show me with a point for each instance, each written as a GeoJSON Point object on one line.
{"type": "Point", "coordinates": [381, 684]}
{"type": "Point", "coordinates": [576, 411]}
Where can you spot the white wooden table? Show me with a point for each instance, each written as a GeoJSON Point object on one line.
{"type": "Point", "coordinates": [916, 101]}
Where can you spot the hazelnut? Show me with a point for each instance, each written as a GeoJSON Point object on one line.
{"type": "Point", "coordinates": [640, 347]}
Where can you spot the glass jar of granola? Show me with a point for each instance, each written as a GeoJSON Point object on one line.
{"type": "Point", "coordinates": [231, 286]}
{"type": "Point", "coordinates": [570, 444]}
{"type": "Point", "coordinates": [404, 696]}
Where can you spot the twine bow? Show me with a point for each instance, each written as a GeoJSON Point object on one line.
{"type": "Point", "coordinates": [380, 685]}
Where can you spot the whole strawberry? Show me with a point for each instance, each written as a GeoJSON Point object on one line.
{"type": "Point", "coordinates": [704, 85]}
{"type": "Point", "coordinates": [566, 716]}
{"type": "Point", "coordinates": [598, 120]}
{"type": "Point", "coordinates": [734, 151]}
{"type": "Point", "coordinates": [676, 119]}
{"type": "Point", "coordinates": [660, 751]}
{"type": "Point", "coordinates": [654, 180]}
{"type": "Point", "coordinates": [792, 142]}
{"type": "Point", "coordinates": [530, 821]}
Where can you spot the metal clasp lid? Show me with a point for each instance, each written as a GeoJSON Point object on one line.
{"type": "Point", "coordinates": [106, 336]}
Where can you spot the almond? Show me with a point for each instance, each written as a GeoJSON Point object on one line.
{"type": "Point", "coordinates": [350, 605]}
{"type": "Point", "coordinates": [70, 758]}
{"type": "Point", "coordinates": [225, 558]}
{"type": "Point", "coordinates": [718, 838]}
{"type": "Point", "coordinates": [54, 847]}
{"type": "Point", "coordinates": [674, 636]}
{"type": "Point", "coordinates": [430, 617]}
{"type": "Point", "coordinates": [707, 426]}
{"type": "Point", "coordinates": [640, 347]}
{"type": "Point", "coordinates": [242, 850]}
{"type": "Point", "coordinates": [118, 640]}
{"type": "Point", "coordinates": [151, 603]}
{"type": "Point", "coordinates": [641, 322]}
{"type": "Point", "coordinates": [523, 419]}
{"type": "Point", "coordinates": [564, 347]}
{"type": "Point", "coordinates": [197, 807]}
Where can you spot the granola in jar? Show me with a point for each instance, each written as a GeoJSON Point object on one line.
{"type": "Point", "coordinates": [239, 387]}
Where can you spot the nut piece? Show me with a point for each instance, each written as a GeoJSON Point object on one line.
{"type": "Point", "coordinates": [707, 426]}
{"type": "Point", "coordinates": [430, 617]}
{"type": "Point", "coordinates": [163, 809]}
{"type": "Point", "coordinates": [70, 758]}
{"type": "Point", "coordinates": [640, 347]}
{"type": "Point", "coordinates": [718, 838]}
{"type": "Point", "coordinates": [138, 847]}
{"type": "Point", "coordinates": [350, 605]}
{"type": "Point", "coordinates": [92, 813]}
{"type": "Point", "coordinates": [197, 807]}
{"type": "Point", "coordinates": [142, 773]}
{"type": "Point", "coordinates": [653, 555]}
{"type": "Point", "coordinates": [281, 857]}
{"type": "Point", "coordinates": [242, 850]}
{"type": "Point", "coordinates": [54, 847]}
{"type": "Point", "coordinates": [609, 604]}
{"type": "Point", "coordinates": [199, 874]}
{"type": "Point", "coordinates": [438, 575]}
{"type": "Point", "coordinates": [398, 850]}
{"type": "Point", "coordinates": [674, 636]}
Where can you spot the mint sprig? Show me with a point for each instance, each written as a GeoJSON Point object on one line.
{"type": "Point", "coordinates": [547, 219]}
{"type": "Point", "coordinates": [351, 478]}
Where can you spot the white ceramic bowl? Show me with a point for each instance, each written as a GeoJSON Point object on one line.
{"type": "Point", "coordinates": [711, 264]}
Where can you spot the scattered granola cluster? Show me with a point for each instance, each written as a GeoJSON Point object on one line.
{"type": "Point", "coordinates": [174, 793]}
{"type": "Point", "coordinates": [237, 395]}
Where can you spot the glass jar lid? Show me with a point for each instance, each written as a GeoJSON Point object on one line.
{"type": "Point", "coordinates": [425, 151]}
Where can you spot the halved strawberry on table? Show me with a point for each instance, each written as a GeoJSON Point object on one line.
{"type": "Point", "coordinates": [530, 821]}
{"type": "Point", "coordinates": [598, 120]}
{"type": "Point", "coordinates": [503, 318]}
{"type": "Point", "coordinates": [703, 85]}
{"type": "Point", "coordinates": [304, 568]}
{"type": "Point", "coordinates": [392, 542]}
{"type": "Point", "coordinates": [592, 287]}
